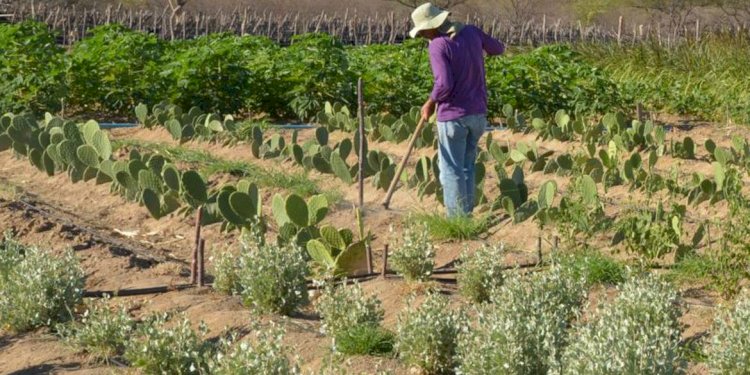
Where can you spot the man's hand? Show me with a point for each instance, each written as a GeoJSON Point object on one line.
{"type": "Point", "coordinates": [428, 109]}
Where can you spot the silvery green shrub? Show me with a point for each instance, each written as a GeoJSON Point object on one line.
{"type": "Point", "coordinates": [102, 331]}
{"type": "Point", "coordinates": [427, 334]}
{"type": "Point", "coordinates": [480, 272]}
{"type": "Point", "coordinates": [163, 347]}
{"type": "Point", "coordinates": [414, 259]}
{"type": "Point", "coordinates": [264, 353]}
{"type": "Point", "coordinates": [36, 288]}
{"type": "Point", "coordinates": [272, 279]}
{"type": "Point", "coordinates": [637, 333]}
{"type": "Point", "coordinates": [344, 307]}
{"type": "Point", "coordinates": [729, 351]}
{"type": "Point", "coordinates": [523, 329]}
{"type": "Point", "coordinates": [226, 268]}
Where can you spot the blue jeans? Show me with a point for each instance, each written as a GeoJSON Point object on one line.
{"type": "Point", "coordinates": [457, 143]}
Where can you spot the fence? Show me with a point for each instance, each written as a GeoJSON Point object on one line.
{"type": "Point", "coordinates": [73, 24]}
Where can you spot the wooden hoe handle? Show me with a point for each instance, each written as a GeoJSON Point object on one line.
{"type": "Point", "coordinates": [397, 176]}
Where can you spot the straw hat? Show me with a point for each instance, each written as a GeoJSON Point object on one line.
{"type": "Point", "coordinates": [427, 17]}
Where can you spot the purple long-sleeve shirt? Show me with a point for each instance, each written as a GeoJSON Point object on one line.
{"type": "Point", "coordinates": [458, 67]}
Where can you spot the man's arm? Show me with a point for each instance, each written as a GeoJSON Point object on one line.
{"type": "Point", "coordinates": [441, 71]}
{"type": "Point", "coordinates": [492, 46]}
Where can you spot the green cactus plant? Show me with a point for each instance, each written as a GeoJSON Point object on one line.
{"type": "Point", "coordinates": [194, 188]}
{"type": "Point", "coordinates": [336, 253]}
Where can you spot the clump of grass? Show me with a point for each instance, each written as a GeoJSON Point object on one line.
{"type": "Point", "coordinates": [365, 339]}
{"type": "Point", "coordinates": [594, 267]}
{"type": "Point", "coordinates": [722, 271]}
{"type": "Point", "coordinates": [454, 228]}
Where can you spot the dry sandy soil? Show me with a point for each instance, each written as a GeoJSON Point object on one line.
{"type": "Point", "coordinates": [121, 247]}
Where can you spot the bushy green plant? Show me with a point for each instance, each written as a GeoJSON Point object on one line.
{"type": "Point", "coordinates": [427, 334]}
{"type": "Point", "coordinates": [32, 68]}
{"type": "Point", "coordinates": [729, 351]}
{"type": "Point", "coordinates": [114, 69]}
{"type": "Point", "coordinates": [36, 288]}
{"type": "Point", "coordinates": [523, 330]}
{"type": "Point", "coordinates": [415, 256]}
{"type": "Point", "coordinates": [273, 278]}
{"type": "Point", "coordinates": [637, 333]}
{"type": "Point", "coordinates": [102, 332]}
{"type": "Point", "coordinates": [365, 339]}
{"type": "Point", "coordinates": [264, 353]}
{"type": "Point", "coordinates": [480, 272]}
{"type": "Point", "coordinates": [344, 307]}
{"type": "Point", "coordinates": [226, 272]}
{"type": "Point", "coordinates": [160, 346]}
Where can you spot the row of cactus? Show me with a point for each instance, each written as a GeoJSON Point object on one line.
{"type": "Point", "coordinates": [184, 126]}
{"type": "Point", "coordinates": [379, 127]}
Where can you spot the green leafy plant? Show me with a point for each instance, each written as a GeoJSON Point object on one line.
{"type": "Point", "coordinates": [345, 307]}
{"type": "Point", "coordinates": [637, 333]}
{"type": "Point", "coordinates": [415, 256]}
{"type": "Point", "coordinates": [480, 272]}
{"type": "Point", "coordinates": [272, 279]}
{"type": "Point", "coordinates": [523, 330]}
{"type": "Point", "coordinates": [427, 334]}
{"type": "Point", "coordinates": [36, 288]}
{"type": "Point", "coordinates": [102, 332]}
{"type": "Point", "coordinates": [162, 346]}
{"type": "Point", "coordinates": [728, 353]}
{"type": "Point", "coordinates": [365, 339]}
{"type": "Point", "coordinates": [653, 234]}
{"type": "Point", "coordinates": [263, 353]}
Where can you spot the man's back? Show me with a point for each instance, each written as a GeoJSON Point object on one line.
{"type": "Point", "coordinates": [458, 67]}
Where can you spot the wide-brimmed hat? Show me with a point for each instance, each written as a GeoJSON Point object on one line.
{"type": "Point", "coordinates": [427, 17]}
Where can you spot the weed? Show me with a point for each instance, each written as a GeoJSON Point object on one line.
{"type": "Point", "coordinates": [415, 257]}
{"type": "Point", "coordinates": [427, 334]}
{"type": "Point", "coordinates": [480, 272]}
{"type": "Point", "coordinates": [225, 272]}
{"type": "Point", "coordinates": [365, 339]}
{"type": "Point", "coordinates": [36, 288]}
{"type": "Point", "coordinates": [457, 228]}
{"type": "Point", "coordinates": [594, 267]}
{"type": "Point", "coordinates": [523, 330]}
{"type": "Point", "coordinates": [102, 332]}
{"type": "Point", "coordinates": [638, 333]}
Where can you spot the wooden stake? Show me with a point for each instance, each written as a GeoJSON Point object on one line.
{"type": "Point", "coordinates": [197, 244]}
{"type": "Point", "coordinates": [369, 259]}
{"type": "Point", "coordinates": [539, 249]}
{"type": "Point", "coordinates": [385, 261]}
{"type": "Point", "coordinates": [201, 264]}
{"type": "Point", "coordinates": [361, 151]}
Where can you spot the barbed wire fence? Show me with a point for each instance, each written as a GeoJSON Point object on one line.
{"type": "Point", "coordinates": [73, 23]}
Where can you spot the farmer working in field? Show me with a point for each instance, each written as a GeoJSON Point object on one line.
{"type": "Point", "coordinates": [460, 94]}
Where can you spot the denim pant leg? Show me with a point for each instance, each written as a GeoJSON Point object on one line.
{"type": "Point", "coordinates": [452, 151]}
{"type": "Point", "coordinates": [475, 125]}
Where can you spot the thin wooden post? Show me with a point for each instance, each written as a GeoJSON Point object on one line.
{"type": "Point", "coordinates": [539, 249]}
{"type": "Point", "coordinates": [361, 151]}
{"type": "Point", "coordinates": [197, 244]}
{"type": "Point", "coordinates": [639, 111]}
{"type": "Point", "coordinates": [369, 258]}
{"type": "Point", "coordinates": [556, 246]}
{"type": "Point", "coordinates": [201, 263]}
{"type": "Point", "coordinates": [385, 261]}
{"type": "Point", "coordinates": [619, 32]}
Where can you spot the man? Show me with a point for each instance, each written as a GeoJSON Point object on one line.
{"type": "Point", "coordinates": [460, 94]}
